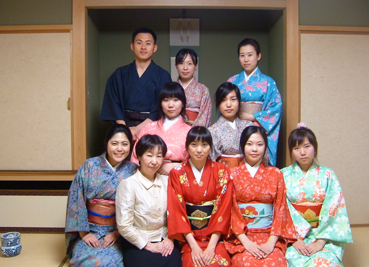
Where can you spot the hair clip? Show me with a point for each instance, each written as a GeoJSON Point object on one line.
{"type": "Point", "coordinates": [301, 125]}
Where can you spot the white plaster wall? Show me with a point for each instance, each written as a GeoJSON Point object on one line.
{"type": "Point", "coordinates": [35, 82]}
{"type": "Point", "coordinates": [335, 105]}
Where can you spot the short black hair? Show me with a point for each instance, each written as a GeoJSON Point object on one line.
{"type": "Point", "coordinates": [182, 54]}
{"type": "Point", "coordinates": [298, 135]}
{"type": "Point", "coordinates": [249, 41]}
{"type": "Point", "coordinates": [148, 142]}
{"type": "Point", "coordinates": [113, 130]}
{"type": "Point", "coordinates": [247, 132]}
{"type": "Point", "coordinates": [199, 133]}
{"type": "Point", "coordinates": [143, 30]}
{"type": "Point", "coordinates": [172, 89]}
{"type": "Point", "coordinates": [223, 90]}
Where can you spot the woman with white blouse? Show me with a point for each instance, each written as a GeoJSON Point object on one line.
{"type": "Point", "coordinates": [141, 210]}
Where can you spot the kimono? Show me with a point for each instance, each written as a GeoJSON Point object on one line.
{"type": "Point", "coordinates": [174, 137]}
{"type": "Point", "coordinates": [215, 185]}
{"type": "Point", "coordinates": [94, 179]}
{"type": "Point", "coordinates": [198, 100]}
{"type": "Point", "coordinates": [263, 88]}
{"type": "Point", "coordinates": [226, 140]}
{"type": "Point", "coordinates": [267, 187]}
{"type": "Point", "coordinates": [125, 90]}
{"type": "Point", "coordinates": [319, 185]}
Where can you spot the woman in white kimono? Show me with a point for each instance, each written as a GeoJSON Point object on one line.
{"type": "Point", "coordinates": [317, 205]}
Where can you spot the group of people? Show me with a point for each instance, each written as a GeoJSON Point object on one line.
{"type": "Point", "coordinates": [171, 190]}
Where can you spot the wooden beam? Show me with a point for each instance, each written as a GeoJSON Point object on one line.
{"type": "Point", "coordinates": [333, 29]}
{"type": "Point", "coordinates": [35, 28]}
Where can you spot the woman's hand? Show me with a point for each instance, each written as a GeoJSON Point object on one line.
{"type": "Point", "coordinates": [208, 255]}
{"type": "Point", "coordinates": [110, 239]}
{"type": "Point", "coordinates": [268, 247]}
{"type": "Point", "coordinates": [167, 167]}
{"type": "Point", "coordinates": [154, 247]}
{"type": "Point", "coordinates": [316, 246]}
{"type": "Point", "coordinates": [197, 256]}
{"type": "Point", "coordinates": [301, 247]}
{"type": "Point", "coordinates": [168, 247]}
{"type": "Point", "coordinates": [90, 239]}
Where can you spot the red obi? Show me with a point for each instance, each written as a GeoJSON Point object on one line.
{"type": "Point", "coordinates": [230, 162]}
{"type": "Point", "coordinates": [309, 211]}
{"type": "Point", "coordinates": [101, 211]}
{"type": "Point", "coordinates": [192, 116]}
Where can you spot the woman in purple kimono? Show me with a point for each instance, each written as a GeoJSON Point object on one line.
{"type": "Point", "coordinates": [91, 235]}
{"type": "Point", "coordinates": [261, 100]}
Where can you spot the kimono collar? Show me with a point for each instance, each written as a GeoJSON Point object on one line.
{"type": "Point", "coordinates": [296, 167]}
{"type": "Point", "coordinates": [253, 169]}
{"type": "Point", "coordinates": [196, 172]}
{"type": "Point", "coordinates": [167, 123]}
{"type": "Point", "coordinates": [192, 80]}
{"type": "Point", "coordinates": [114, 168]}
{"type": "Point", "coordinates": [247, 78]}
{"type": "Point", "coordinates": [146, 182]}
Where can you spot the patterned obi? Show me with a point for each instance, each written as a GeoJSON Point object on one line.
{"type": "Point", "coordinates": [192, 115]}
{"type": "Point", "coordinates": [309, 211]}
{"type": "Point", "coordinates": [101, 211]}
{"type": "Point", "coordinates": [199, 215]}
{"type": "Point", "coordinates": [231, 160]}
{"type": "Point", "coordinates": [257, 215]}
{"type": "Point", "coordinates": [251, 107]}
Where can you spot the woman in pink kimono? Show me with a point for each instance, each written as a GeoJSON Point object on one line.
{"type": "Point", "coordinates": [171, 126]}
{"type": "Point", "coordinates": [198, 106]}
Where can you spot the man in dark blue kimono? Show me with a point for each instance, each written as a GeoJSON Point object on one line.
{"type": "Point", "coordinates": [132, 91]}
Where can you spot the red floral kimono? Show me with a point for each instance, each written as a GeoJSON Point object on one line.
{"type": "Point", "coordinates": [215, 184]}
{"type": "Point", "coordinates": [267, 186]}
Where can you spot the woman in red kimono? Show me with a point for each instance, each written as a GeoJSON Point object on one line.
{"type": "Point", "coordinates": [261, 223]}
{"type": "Point", "coordinates": [199, 203]}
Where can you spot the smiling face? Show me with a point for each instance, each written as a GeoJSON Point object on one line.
{"type": "Point", "coordinates": [229, 106]}
{"type": "Point", "coordinates": [186, 69]}
{"type": "Point", "coordinates": [248, 58]}
{"type": "Point", "coordinates": [144, 46]}
{"type": "Point", "coordinates": [254, 149]}
{"type": "Point", "coordinates": [304, 154]}
{"type": "Point", "coordinates": [150, 162]}
{"type": "Point", "coordinates": [199, 152]}
{"type": "Point", "coordinates": [172, 107]}
{"type": "Point", "coordinates": [118, 148]}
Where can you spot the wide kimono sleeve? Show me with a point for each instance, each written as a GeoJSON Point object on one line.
{"type": "Point", "coordinates": [178, 222]}
{"type": "Point", "coordinates": [204, 117]}
{"type": "Point", "coordinates": [113, 103]}
{"type": "Point", "coordinates": [215, 152]}
{"type": "Point", "coordinates": [125, 212]}
{"type": "Point", "coordinates": [145, 130]}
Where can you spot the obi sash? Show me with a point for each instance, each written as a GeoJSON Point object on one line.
{"type": "Point", "coordinates": [251, 107]}
{"type": "Point", "coordinates": [231, 161]}
{"type": "Point", "coordinates": [199, 215]}
{"type": "Point", "coordinates": [192, 115]}
{"type": "Point", "coordinates": [309, 211]}
{"type": "Point", "coordinates": [101, 211]}
{"type": "Point", "coordinates": [258, 215]}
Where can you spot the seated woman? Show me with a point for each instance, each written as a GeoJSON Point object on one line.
{"type": "Point", "coordinates": [261, 100]}
{"type": "Point", "coordinates": [142, 210]}
{"type": "Point", "coordinates": [198, 106]}
{"type": "Point", "coordinates": [227, 130]}
{"type": "Point", "coordinates": [261, 223]}
{"type": "Point", "coordinates": [91, 234]}
{"type": "Point", "coordinates": [316, 204]}
{"type": "Point", "coordinates": [199, 203]}
{"type": "Point", "coordinates": [171, 126]}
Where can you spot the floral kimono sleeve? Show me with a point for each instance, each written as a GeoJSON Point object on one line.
{"type": "Point", "coordinates": [204, 117]}
{"type": "Point", "coordinates": [302, 227]}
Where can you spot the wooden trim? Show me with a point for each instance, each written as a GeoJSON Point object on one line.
{"type": "Point", "coordinates": [78, 91]}
{"type": "Point", "coordinates": [48, 230]}
{"type": "Point", "coordinates": [334, 29]}
{"type": "Point", "coordinates": [35, 28]}
{"type": "Point", "coordinates": [15, 192]}
{"type": "Point", "coordinates": [249, 4]}
{"type": "Point", "coordinates": [291, 104]}
{"type": "Point", "coordinates": [37, 175]}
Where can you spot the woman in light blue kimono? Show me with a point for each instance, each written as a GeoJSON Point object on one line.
{"type": "Point", "coordinates": [316, 204]}
{"type": "Point", "coordinates": [261, 100]}
{"type": "Point", "coordinates": [91, 235]}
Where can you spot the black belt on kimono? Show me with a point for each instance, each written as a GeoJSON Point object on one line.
{"type": "Point", "coordinates": [199, 215]}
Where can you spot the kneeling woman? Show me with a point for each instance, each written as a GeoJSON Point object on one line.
{"type": "Point", "coordinates": [199, 203]}
{"type": "Point", "coordinates": [261, 223]}
{"type": "Point", "coordinates": [318, 205]}
{"type": "Point", "coordinates": [91, 235]}
{"type": "Point", "coordinates": [142, 210]}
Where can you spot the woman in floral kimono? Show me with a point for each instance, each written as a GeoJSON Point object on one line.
{"type": "Point", "coordinates": [227, 130]}
{"type": "Point", "coordinates": [171, 126]}
{"type": "Point", "coordinates": [316, 204]}
{"type": "Point", "coordinates": [91, 235]}
{"type": "Point", "coordinates": [261, 224]}
{"type": "Point", "coordinates": [261, 100]}
{"type": "Point", "coordinates": [198, 106]}
{"type": "Point", "coordinates": [199, 203]}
